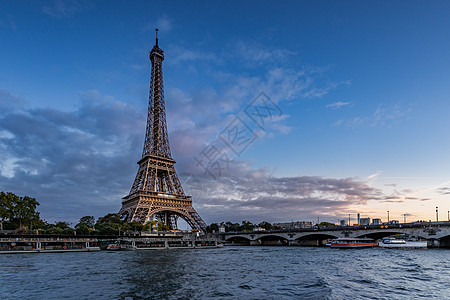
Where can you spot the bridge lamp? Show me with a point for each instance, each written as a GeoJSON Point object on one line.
{"type": "Point", "coordinates": [437, 214]}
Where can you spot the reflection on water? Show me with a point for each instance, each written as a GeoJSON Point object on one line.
{"type": "Point", "coordinates": [228, 273]}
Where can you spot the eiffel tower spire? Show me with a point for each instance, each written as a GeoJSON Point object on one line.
{"type": "Point", "coordinates": [156, 193]}
{"type": "Point", "coordinates": [156, 139]}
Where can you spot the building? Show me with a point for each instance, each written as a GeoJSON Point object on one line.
{"type": "Point", "coordinates": [343, 223]}
{"type": "Point", "coordinates": [376, 222]}
{"type": "Point", "coordinates": [364, 221]}
{"type": "Point", "coordinates": [293, 225]}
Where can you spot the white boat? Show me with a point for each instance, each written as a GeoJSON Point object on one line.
{"type": "Point", "coordinates": [393, 241]}
{"type": "Point", "coordinates": [113, 247]}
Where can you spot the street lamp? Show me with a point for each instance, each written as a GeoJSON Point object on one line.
{"type": "Point", "coordinates": [348, 219]}
{"type": "Point", "coordinates": [388, 215]}
{"type": "Point", "coordinates": [437, 214]}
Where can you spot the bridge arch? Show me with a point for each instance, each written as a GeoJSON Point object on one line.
{"type": "Point", "coordinates": [238, 240]}
{"type": "Point", "coordinates": [272, 240]}
{"type": "Point", "coordinates": [314, 239]}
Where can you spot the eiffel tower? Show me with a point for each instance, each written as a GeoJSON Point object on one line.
{"type": "Point", "coordinates": [156, 193]}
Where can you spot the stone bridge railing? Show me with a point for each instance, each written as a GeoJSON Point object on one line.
{"type": "Point", "coordinates": [437, 234]}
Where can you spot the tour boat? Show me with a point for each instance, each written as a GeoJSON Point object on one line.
{"type": "Point", "coordinates": [353, 243]}
{"type": "Point", "coordinates": [394, 241]}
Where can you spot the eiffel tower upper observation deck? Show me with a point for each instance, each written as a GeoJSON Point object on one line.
{"type": "Point", "coordinates": [156, 193]}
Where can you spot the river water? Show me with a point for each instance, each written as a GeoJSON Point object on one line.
{"type": "Point", "coordinates": [229, 273]}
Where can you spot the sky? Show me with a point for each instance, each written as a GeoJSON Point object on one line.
{"type": "Point", "coordinates": [276, 110]}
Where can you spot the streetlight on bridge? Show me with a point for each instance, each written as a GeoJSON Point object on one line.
{"type": "Point", "coordinates": [437, 214]}
{"type": "Point", "coordinates": [388, 215]}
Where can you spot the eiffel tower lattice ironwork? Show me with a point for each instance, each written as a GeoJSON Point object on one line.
{"type": "Point", "coordinates": [157, 193]}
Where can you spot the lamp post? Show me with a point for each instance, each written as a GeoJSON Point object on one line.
{"type": "Point", "coordinates": [437, 214]}
{"type": "Point", "coordinates": [348, 219]}
{"type": "Point", "coordinates": [404, 218]}
{"type": "Point", "coordinates": [448, 215]}
{"type": "Point", "coordinates": [388, 215]}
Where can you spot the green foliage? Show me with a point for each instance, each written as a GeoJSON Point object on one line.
{"type": "Point", "coordinates": [155, 225]}
{"type": "Point", "coordinates": [232, 226]}
{"type": "Point", "coordinates": [88, 220]}
{"type": "Point", "coordinates": [110, 218]}
{"type": "Point", "coordinates": [106, 228]}
{"type": "Point", "coordinates": [17, 209]}
{"type": "Point", "coordinates": [6, 207]}
{"type": "Point", "coordinates": [82, 229]}
{"type": "Point", "coordinates": [55, 230]}
{"type": "Point", "coordinates": [247, 226]}
{"type": "Point", "coordinates": [214, 227]}
{"type": "Point", "coordinates": [326, 224]}
{"type": "Point", "coordinates": [265, 225]}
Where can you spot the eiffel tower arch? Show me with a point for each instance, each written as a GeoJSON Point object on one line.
{"type": "Point", "coordinates": [156, 193]}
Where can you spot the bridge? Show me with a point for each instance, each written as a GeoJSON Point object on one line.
{"type": "Point", "coordinates": [437, 234]}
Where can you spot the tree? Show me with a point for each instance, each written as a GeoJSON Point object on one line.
{"type": "Point", "coordinates": [110, 218]}
{"type": "Point", "coordinates": [214, 227]}
{"type": "Point", "coordinates": [6, 207]}
{"type": "Point", "coordinates": [25, 209]}
{"type": "Point", "coordinates": [246, 226]}
{"type": "Point", "coordinates": [231, 226]}
{"type": "Point", "coordinates": [105, 228]}
{"type": "Point", "coordinates": [265, 225]}
{"type": "Point", "coordinates": [326, 224]}
{"type": "Point", "coordinates": [82, 228]}
{"type": "Point", "coordinates": [88, 220]}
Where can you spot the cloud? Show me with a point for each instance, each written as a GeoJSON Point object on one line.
{"type": "Point", "coordinates": [62, 8]}
{"type": "Point", "coordinates": [9, 101]}
{"type": "Point", "coordinates": [444, 190]}
{"type": "Point", "coordinates": [7, 21]}
{"type": "Point", "coordinates": [252, 53]}
{"type": "Point", "coordinates": [164, 23]}
{"type": "Point", "coordinates": [382, 117]}
{"type": "Point", "coordinates": [257, 195]}
{"type": "Point", "coordinates": [179, 54]}
{"type": "Point", "coordinates": [75, 163]}
{"type": "Point", "coordinates": [338, 104]}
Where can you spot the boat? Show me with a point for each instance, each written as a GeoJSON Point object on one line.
{"type": "Point", "coordinates": [393, 241]}
{"type": "Point", "coordinates": [35, 244]}
{"type": "Point", "coordinates": [353, 243]}
{"type": "Point", "coordinates": [113, 247]}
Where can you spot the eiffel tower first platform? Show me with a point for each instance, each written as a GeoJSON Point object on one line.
{"type": "Point", "coordinates": [157, 193]}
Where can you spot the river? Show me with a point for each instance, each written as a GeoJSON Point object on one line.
{"type": "Point", "coordinates": [229, 273]}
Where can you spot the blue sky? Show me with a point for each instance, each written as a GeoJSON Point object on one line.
{"type": "Point", "coordinates": [362, 89]}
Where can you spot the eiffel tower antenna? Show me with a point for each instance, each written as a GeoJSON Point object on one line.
{"type": "Point", "coordinates": [156, 193]}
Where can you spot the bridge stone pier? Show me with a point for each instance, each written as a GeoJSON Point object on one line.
{"type": "Point", "coordinates": [437, 234]}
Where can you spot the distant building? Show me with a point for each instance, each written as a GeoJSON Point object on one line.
{"type": "Point", "coordinates": [259, 229]}
{"type": "Point", "coordinates": [293, 225]}
{"type": "Point", "coordinates": [222, 228]}
{"type": "Point", "coordinates": [376, 222]}
{"type": "Point", "coordinates": [364, 221]}
{"type": "Point", "coordinates": [343, 222]}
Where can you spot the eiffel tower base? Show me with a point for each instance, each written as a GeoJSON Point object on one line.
{"type": "Point", "coordinates": [144, 208]}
